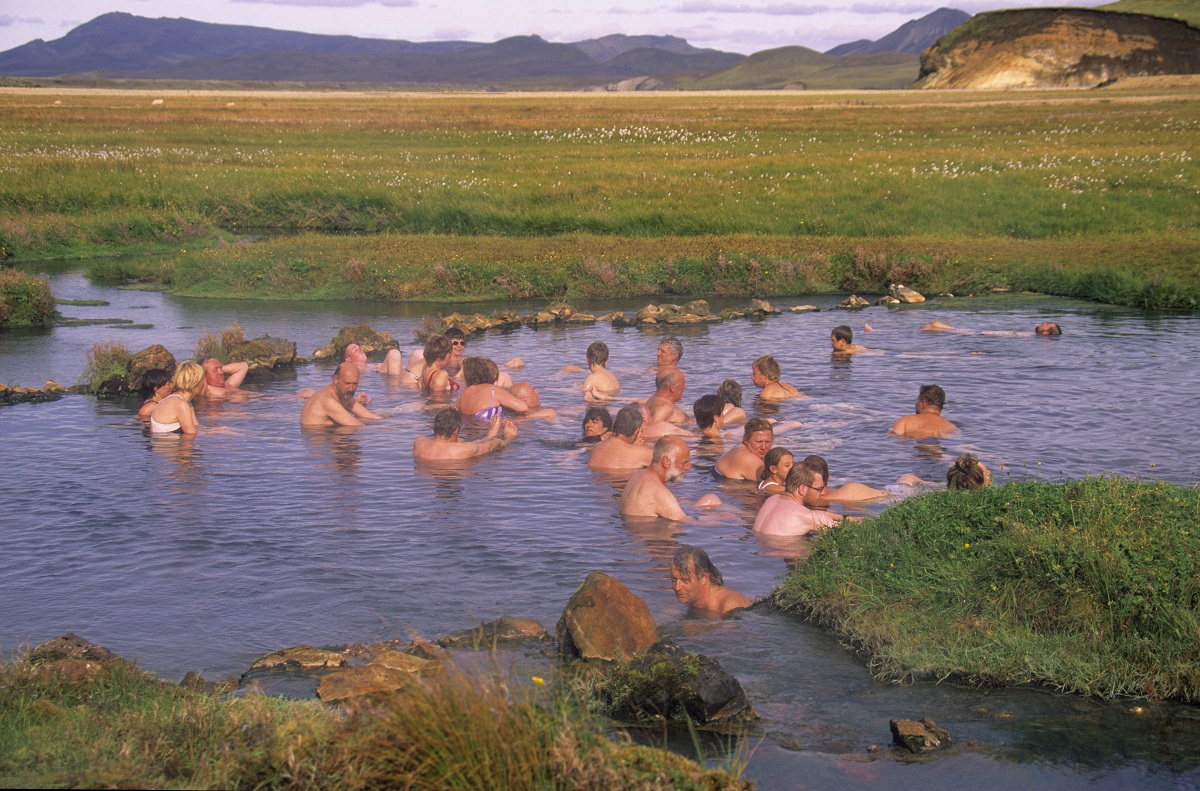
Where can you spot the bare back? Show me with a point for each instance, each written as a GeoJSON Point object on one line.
{"type": "Point", "coordinates": [615, 453]}
{"type": "Point", "coordinates": [647, 496]}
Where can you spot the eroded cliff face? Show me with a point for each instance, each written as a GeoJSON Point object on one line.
{"type": "Point", "coordinates": [1058, 48]}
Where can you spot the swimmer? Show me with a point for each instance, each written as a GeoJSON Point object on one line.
{"type": "Point", "coordinates": [792, 513]}
{"type": "Point", "coordinates": [698, 584]}
{"type": "Point", "coordinates": [939, 326]}
{"type": "Point", "coordinates": [842, 340]}
{"type": "Point", "coordinates": [968, 472]}
{"type": "Point", "coordinates": [847, 493]}
{"type": "Point", "coordinates": [1048, 328]}
{"type": "Point", "coordinates": [667, 359]}
{"type": "Point", "coordinates": [174, 414]}
{"type": "Point", "coordinates": [445, 444]}
{"type": "Point", "coordinates": [928, 420]}
{"type": "Point", "coordinates": [765, 373]}
{"type": "Point", "coordinates": [600, 384]}
{"type": "Point", "coordinates": [482, 397]}
{"type": "Point", "coordinates": [669, 389]}
{"type": "Point", "coordinates": [731, 393]}
{"type": "Point", "coordinates": [434, 377]}
{"type": "Point", "coordinates": [776, 465]}
{"type": "Point", "coordinates": [156, 385]}
{"type": "Point", "coordinates": [623, 450]}
{"type": "Point", "coordinates": [223, 380]}
{"type": "Point", "coordinates": [335, 404]}
{"type": "Point", "coordinates": [597, 424]}
{"type": "Point", "coordinates": [707, 410]}
{"type": "Point", "coordinates": [530, 395]}
{"type": "Point", "coordinates": [392, 364]}
{"type": "Point", "coordinates": [647, 494]}
{"type": "Point", "coordinates": [458, 347]}
{"type": "Point", "coordinates": [745, 462]}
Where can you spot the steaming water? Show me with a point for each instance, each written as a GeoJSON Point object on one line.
{"type": "Point", "coordinates": [204, 555]}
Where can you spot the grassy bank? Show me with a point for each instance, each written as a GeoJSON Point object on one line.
{"type": "Point", "coordinates": [68, 724]}
{"type": "Point", "coordinates": [109, 170]}
{"type": "Point", "coordinates": [1090, 586]}
{"type": "Point", "coordinates": [1134, 272]}
{"type": "Point", "coordinates": [25, 300]}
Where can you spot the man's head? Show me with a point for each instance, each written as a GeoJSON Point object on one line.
{"type": "Point", "coordinates": [446, 423]}
{"type": "Point", "coordinates": [212, 371]}
{"type": "Point", "coordinates": [764, 369]}
{"type": "Point", "coordinates": [730, 392]}
{"type": "Point", "coordinates": [671, 456]}
{"type": "Point", "coordinates": [1048, 328]}
{"type": "Point", "coordinates": [842, 337]}
{"type": "Point", "coordinates": [437, 347]}
{"type": "Point", "coordinates": [458, 341]}
{"type": "Point", "coordinates": [596, 421]}
{"type": "Point", "coordinates": [628, 421]}
{"type": "Point", "coordinates": [806, 483]}
{"type": "Point", "coordinates": [931, 396]}
{"type": "Point", "coordinates": [669, 385]}
{"type": "Point", "coordinates": [355, 354]}
{"type": "Point", "coordinates": [692, 572]}
{"type": "Point", "coordinates": [758, 436]}
{"type": "Point", "coordinates": [597, 354]}
{"type": "Point", "coordinates": [527, 393]}
{"type": "Point", "coordinates": [345, 383]}
{"type": "Point", "coordinates": [817, 465]}
{"type": "Point", "coordinates": [708, 409]}
{"type": "Point", "coordinates": [669, 352]}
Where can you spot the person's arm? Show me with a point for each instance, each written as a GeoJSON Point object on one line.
{"type": "Point", "coordinates": [338, 414]}
{"type": "Point", "coordinates": [360, 411]}
{"type": "Point", "coordinates": [493, 442]}
{"type": "Point", "coordinates": [510, 401]}
{"type": "Point", "coordinates": [187, 419]}
{"type": "Point", "coordinates": [235, 373]}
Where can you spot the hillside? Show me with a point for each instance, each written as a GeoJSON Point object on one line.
{"type": "Point", "coordinates": [1059, 48]}
{"type": "Point", "coordinates": [914, 36]}
{"type": "Point", "coordinates": [1183, 10]}
{"type": "Point", "coordinates": [803, 68]}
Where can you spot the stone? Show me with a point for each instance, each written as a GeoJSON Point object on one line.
{"type": "Point", "coordinates": [355, 682]}
{"type": "Point", "coordinates": [561, 311]}
{"type": "Point", "coordinates": [677, 686]}
{"type": "Point", "coordinates": [619, 320]}
{"type": "Point", "coordinates": [904, 294]}
{"type": "Point", "coordinates": [918, 737]}
{"type": "Point", "coordinates": [300, 656]}
{"type": "Point", "coordinates": [803, 308]}
{"type": "Point", "coordinates": [155, 356]}
{"type": "Point", "coordinates": [413, 665]}
{"type": "Point", "coordinates": [684, 318]}
{"type": "Point", "coordinates": [697, 307]}
{"type": "Point", "coordinates": [649, 313]}
{"type": "Point", "coordinates": [581, 318]}
{"type": "Point", "coordinates": [264, 353]}
{"type": "Point", "coordinates": [370, 341]}
{"type": "Point", "coordinates": [853, 302]}
{"type": "Point", "coordinates": [604, 620]}
{"type": "Point", "coordinates": [502, 630]}
{"type": "Point", "coordinates": [424, 649]}
{"type": "Point", "coordinates": [539, 318]}
{"type": "Point", "coordinates": [761, 307]}
{"type": "Point", "coordinates": [71, 646]}
{"type": "Point", "coordinates": [25, 395]}
{"type": "Point", "coordinates": [887, 299]}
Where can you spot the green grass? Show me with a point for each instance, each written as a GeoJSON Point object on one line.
{"type": "Point", "coordinates": [1183, 10]}
{"type": "Point", "coordinates": [25, 299]}
{"type": "Point", "coordinates": [1090, 586]}
{"type": "Point", "coordinates": [107, 361]}
{"type": "Point", "coordinates": [118, 727]}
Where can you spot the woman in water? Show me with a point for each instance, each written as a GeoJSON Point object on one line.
{"type": "Point", "coordinates": [597, 424]}
{"type": "Point", "coordinates": [482, 397]}
{"type": "Point", "coordinates": [156, 385]}
{"type": "Point", "coordinates": [968, 472]}
{"type": "Point", "coordinates": [776, 465]}
{"type": "Point", "coordinates": [434, 378]}
{"type": "Point", "coordinates": [731, 393]}
{"type": "Point", "coordinates": [174, 414]}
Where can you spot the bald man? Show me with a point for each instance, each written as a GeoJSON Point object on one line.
{"type": "Point", "coordinates": [647, 494]}
{"type": "Point", "coordinates": [335, 404]}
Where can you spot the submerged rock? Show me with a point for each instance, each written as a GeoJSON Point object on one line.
{"type": "Point", "coordinates": [358, 681]}
{"type": "Point", "coordinates": [919, 737]}
{"type": "Point", "coordinates": [904, 294]}
{"type": "Point", "coordinates": [605, 620]}
{"type": "Point", "coordinates": [502, 630]}
{"type": "Point", "coordinates": [697, 307]}
{"type": "Point", "coordinates": [803, 308]}
{"type": "Point", "coordinates": [887, 299]}
{"type": "Point", "coordinates": [760, 307]}
{"type": "Point", "coordinates": [853, 302]}
{"type": "Point", "coordinates": [52, 391]}
{"type": "Point", "coordinates": [301, 656]}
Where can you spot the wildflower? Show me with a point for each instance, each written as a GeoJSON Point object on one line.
{"type": "Point", "coordinates": [537, 680]}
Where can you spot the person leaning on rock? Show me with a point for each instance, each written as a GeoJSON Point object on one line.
{"type": "Point", "coordinates": [697, 583]}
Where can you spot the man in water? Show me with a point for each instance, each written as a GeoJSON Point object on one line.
{"type": "Point", "coordinates": [530, 395]}
{"type": "Point", "coordinates": [623, 449]}
{"type": "Point", "coordinates": [745, 462]}
{"type": "Point", "coordinates": [223, 380]}
{"type": "Point", "coordinates": [842, 340]}
{"type": "Point", "coordinates": [335, 404]}
{"type": "Point", "coordinates": [600, 384]}
{"type": "Point", "coordinates": [792, 513]}
{"type": "Point", "coordinates": [765, 374]}
{"type": "Point", "coordinates": [392, 365]}
{"type": "Point", "coordinates": [662, 404]}
{"type": "Point", "coordinates": [709, 420]}
{"type": "Point", "coordinates": [445, 444]}
{"type": "Point", "coordinates": [647, 494]}
{"type": "Point", "coordinates": [1048, 328]}
{"type": "Point", "coordinates": [698, 583]}
{"type": "Point", "coordinates": [928, 420]}
{"type": "Point", "coordinates": [667, 359]}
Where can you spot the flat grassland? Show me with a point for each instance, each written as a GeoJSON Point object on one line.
{"type": "Point", "coordinates": [1084, 193]}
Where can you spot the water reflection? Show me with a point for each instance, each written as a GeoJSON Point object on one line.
{"type": "Point", "coordinates": [336, 449]}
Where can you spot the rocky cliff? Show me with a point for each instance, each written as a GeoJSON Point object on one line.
{"type": "Point", "coordinates": [1058, 48]}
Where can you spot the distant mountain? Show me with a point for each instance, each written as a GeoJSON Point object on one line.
{"type": "Point", "coordinates": [914, 36]}
{"type": "Point", "coordinates": [608, 47]}
{"type": "Point", "coordinates": [803, 68]}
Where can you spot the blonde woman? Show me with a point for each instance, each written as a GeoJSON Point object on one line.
{"type": "Point", "coordinates": [174, 414]}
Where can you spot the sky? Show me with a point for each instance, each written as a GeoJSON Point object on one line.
{"type": "Point", "coordinates": [744, 26]}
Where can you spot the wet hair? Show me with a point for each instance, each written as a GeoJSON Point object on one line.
{"type": "Point", "coordinates": [665, 380]}
{"type": "Point", "coordinates": [436, 347]}
{"type": "Point", "coordinates": [153, 379]}
{"type": "Point", "coordinates": [967, 473]}
{"type": "Point", "coordinates": [772, 459]}
{"type": "Point", "coordinates": [932, 395]}
{"type": "Point", "coordinates": [768, 367]}
{"type": "Point", "coordinates": [756, 424]}
{"type": "Point", "coordinates": [817, 464]}
{"type": "Point", "coordinates": [666, 447]}
{"type": "Point", "coordinates": [800, 475]}
{"type": "Point", "coordinates": [455, 334]}
{"type": "Point", "coordinates": [628, 421]}
{"type": "Point", "coordinates": [730, 392]}
{"type": "Point", "coordinates": [187, 376]}
{"type": "Point", "coordinates": [706, 409]}
{"type": "Point", "coordinates": [477, 371]}
{"type": "Point", "coordinates": [597, 353]}
{"type": "Point", "coordinates": [692, 562]}
{"type": "Point", "coordinates": [843, 333]}
{"type": "Point", "coordinates": [598, 413]}
{"type": "Point", "coordinates": [674, 345]}
{"type": "Point", "coordinates": [446, 422]}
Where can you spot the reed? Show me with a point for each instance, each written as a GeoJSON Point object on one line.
{"type": "Point", "coordinates": [1085, 586]}
{"type": "Point", "coordinates": [106, 360]}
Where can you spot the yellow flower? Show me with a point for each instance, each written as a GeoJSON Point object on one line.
{"type": "Point", "coordinates": [537, 680]}
{"type": "Point", "coordinates": [966, 546]}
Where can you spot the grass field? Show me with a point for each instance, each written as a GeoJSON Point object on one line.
{"type": "Point", "coordinates": [1030, 178]}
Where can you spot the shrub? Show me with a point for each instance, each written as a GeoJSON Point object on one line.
{"type": "Point", "coordinates": [106, 360]}
{"type": "Point", "coordinates": [24, 299]}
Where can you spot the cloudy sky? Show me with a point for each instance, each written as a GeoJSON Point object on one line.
{"type": "Point", "coordinates": [744, 26]}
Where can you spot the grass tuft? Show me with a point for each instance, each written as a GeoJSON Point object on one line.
{"type": "Point", "coordinates": [25, 300]}
{"type": "Point", "coordinates": [106, 360]}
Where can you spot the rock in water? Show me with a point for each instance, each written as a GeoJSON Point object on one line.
{"type": "Point", "coordinates": [853, 302]}
{"type": "Point", "coordinates": [919, 737]}
{"type": "Point", "coordinates": [604, 620]}
{"type": "Point", "coordinates": [71, 646]}
{"type": "Point", "coordinates": [155, 356]}
{"type": "Point", "coordinates": [300, 656]}
{"type": "Point", "coordinates": [683, 686]}
{"type": "Point", "coordinates": [502, 630]}
{"type": "Point", "coordinates": [904, 293]}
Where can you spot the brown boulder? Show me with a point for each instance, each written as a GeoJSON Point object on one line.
{"type": "Point", "coordinates": [561, 311]}
{"type": "Point", "coordinates": [685, 318]}
{"type": "Point", "coordinates": [650, 314]}
{"type": "Point", "coordinates": [581, 318]}
{"type": "Point", "coordinates": [604, 620]}
{"type": "Point", "coordinates": [370, 341]}
{"type": "Point", "coordinates": [853, 302]}
{"type": "Point", "coordinates": [155, 356]}
{"type": "Point", "coordinates": [358, 681]}
{"type": "Point", "coordinates": [265, 352]}
{"type": "Point", "coordinates": [904, 294]}
{"type": "Point", "coordinates": [300, 656]}
{"type": "Point", "coordinates": [70, 646]}
{"type": "Point", "coordinates": [502, 630]}
{"type": "Point", "coordinates": [697, 307]}
{"type": "Point", "coordinates": [918, 737]}
{"type": "Point", "coordinates": [762, 308]}
{"type": "Point", "coordinates": [413, 665]}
